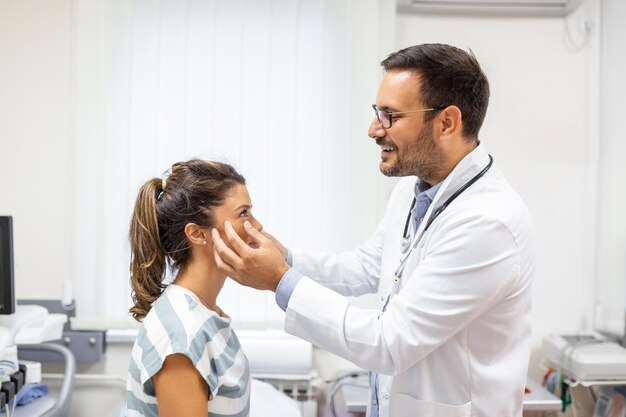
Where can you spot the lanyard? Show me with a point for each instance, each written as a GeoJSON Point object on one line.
{"type": "Point", "coordinates": [398, 273]}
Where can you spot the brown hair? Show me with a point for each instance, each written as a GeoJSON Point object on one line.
{"type": "Point", "coordinates": [162, 210]}
{"type": "Point", "coordinates": [450, 76]}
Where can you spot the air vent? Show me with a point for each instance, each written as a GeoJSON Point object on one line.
{"type": "Point", "coordinates": [490, 7]}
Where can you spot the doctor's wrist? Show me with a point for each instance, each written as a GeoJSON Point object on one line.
{"type": "Point", "coordinates": [286, 286]}
{"type": "Point", "coordinates": [278, 276]}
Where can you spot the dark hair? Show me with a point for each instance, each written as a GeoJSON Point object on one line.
{"type": "Point", "coordinates": [162, 210]}
{"type": "Point", "coordinates": [449, 76]}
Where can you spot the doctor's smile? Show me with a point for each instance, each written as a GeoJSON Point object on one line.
{"type": "Point", "coordinates": [386, 151]}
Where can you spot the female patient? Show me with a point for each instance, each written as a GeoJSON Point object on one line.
{"type": "Point", "coordinates": [186, 360]}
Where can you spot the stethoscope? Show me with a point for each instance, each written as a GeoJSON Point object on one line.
{"type": "Point", "coordinates": [406, 236]}
{"type": "Point", "coordinates": [406, 246]}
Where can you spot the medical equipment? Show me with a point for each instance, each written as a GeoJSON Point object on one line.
{"type": "Point", "coordinates": [586, 357]}
{"type": "Point", "coordinates": [406, 236]}
{"type": "Point", "coordinates": [351, 384]}
{"type": "Point", "coordinates": [7, 285]}
{"type": "Point", "coordinates": [28, 328]}
{"type": "Point", "coordinates": [398, 273]}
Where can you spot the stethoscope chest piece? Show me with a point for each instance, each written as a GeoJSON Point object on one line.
{"type": "Point", "coordinates": [405, 244]}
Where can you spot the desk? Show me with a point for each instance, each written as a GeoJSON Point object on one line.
{"type": "Point", "coordinates": [539, 399]}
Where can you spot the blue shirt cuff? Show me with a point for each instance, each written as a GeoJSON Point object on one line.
{"type": "Point", "coordinates": [285, 287]}
{"type": "Point", "coordinates": [289, 257]}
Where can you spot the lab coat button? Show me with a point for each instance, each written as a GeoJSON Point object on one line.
{"type": "Point", "coordinates": [386, 396]}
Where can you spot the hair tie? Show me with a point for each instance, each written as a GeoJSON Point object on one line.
{"type": "Point", "coordinates": [163, 183]}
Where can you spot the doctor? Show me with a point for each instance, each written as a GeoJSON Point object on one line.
{"type": "Point", "coordinates": [451, 261]}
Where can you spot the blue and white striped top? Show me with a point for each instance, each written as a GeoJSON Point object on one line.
{"type": "Point", "coordinates": [179, 323]}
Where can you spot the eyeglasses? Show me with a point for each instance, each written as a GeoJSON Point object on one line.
{"type": "Point", "coordinates": [385, 117]}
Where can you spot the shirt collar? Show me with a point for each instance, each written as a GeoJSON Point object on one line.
{"type": "Point", "coordinates": [422, 187]}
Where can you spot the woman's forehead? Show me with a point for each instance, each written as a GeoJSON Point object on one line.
{"type": "Point", "coordinates": [237, 196]}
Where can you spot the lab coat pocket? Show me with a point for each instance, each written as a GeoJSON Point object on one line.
{"type": "Point", "coordinates": [403, 405]}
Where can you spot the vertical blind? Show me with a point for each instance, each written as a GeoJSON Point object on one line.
{"type": "Point", "coordinates": [278, 88]}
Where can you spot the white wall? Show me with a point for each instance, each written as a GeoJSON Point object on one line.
{"type": "Point", "coordinates": [35, 74]}
{"type": "Point", "coordinates": [541, 130]}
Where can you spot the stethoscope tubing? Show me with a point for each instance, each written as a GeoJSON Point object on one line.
{"type": "Point", "coordinates": [431, 219]}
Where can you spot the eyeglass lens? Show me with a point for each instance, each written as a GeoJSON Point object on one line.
{"type": "Point", "coordinates": [383, 118]}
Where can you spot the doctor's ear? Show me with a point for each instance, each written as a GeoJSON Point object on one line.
{"type": "Point", "coordinates": [197, 235]}
{"type": "Point", "coordinates": [449, 123]}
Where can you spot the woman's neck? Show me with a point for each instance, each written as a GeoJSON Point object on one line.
{"type": "Point", "coordinates": [203, 280]}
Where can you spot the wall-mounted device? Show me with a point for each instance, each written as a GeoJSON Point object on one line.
{"type": "Point", "coordinates": [7, 284]}
{"type": "Point", "coordinates": [490, 7]}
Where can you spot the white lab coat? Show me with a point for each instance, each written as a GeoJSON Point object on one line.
{"type": "Point", "coordinates": [455, 339]}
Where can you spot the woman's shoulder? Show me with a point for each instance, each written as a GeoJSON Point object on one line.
{"type": "Point", "coordinates": [178, 316]}
{"type": "Point", "coordinates": [169, 308]}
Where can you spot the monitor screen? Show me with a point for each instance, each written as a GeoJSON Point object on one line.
{"type": "Point", "coordinates": [7, 287]}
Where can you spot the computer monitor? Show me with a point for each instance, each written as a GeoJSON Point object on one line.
{"type": "Point", "coordinates": [7, 284]}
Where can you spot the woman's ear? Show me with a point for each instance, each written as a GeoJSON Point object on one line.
{"type": "Point", "coordinates": [197, 235]}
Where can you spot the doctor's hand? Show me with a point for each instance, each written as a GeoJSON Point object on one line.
{"type": "Point", "coordinates": [260, 267]}
{"type": "Point", "coordinates": [281, 248]}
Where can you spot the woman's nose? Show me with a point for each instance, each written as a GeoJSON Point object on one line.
{"type": "Point", "coordinates": [256, 224]}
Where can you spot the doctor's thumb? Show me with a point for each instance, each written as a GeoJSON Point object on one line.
{"type": "Point", "coordinates": [253, 232]}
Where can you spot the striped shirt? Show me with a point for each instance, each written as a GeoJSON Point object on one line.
{"type": "Point", "coordinates": [179, 323]}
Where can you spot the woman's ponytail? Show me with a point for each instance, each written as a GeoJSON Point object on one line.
{"type": "Point", "coordinates": [148, 260]}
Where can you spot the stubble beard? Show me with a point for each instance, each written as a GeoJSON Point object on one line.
{"type": "Point", "coordinates": [421, 158]}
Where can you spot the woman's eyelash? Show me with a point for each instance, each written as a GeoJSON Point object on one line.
{"type": "Point", "coordinates": [244, 212]}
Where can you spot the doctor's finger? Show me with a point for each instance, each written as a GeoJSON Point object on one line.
{"type": "Point", "coordinates": [234, 241]}
{"type": "Point", "coordinates": [256, 234]}
{"type": "Point", "coordinates": [280, 246]}
{"type": "Point", "coordinates": [226, 254]}
{"type": "Point", "coordinates": [223, 266]}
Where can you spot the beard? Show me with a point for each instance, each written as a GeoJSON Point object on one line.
{"type": "Point", "coordinates": [421, 157]}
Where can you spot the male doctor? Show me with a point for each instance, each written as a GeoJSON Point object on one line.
{"type": "Point", "coordinates": [451, 261]}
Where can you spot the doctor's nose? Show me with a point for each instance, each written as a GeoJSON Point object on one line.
{"type": "Point", "coordinates": [375, 129]}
